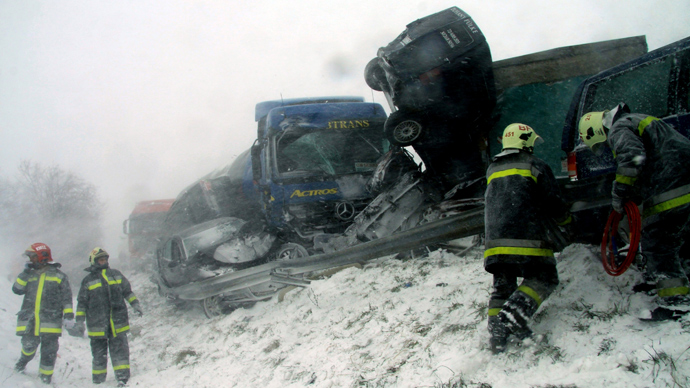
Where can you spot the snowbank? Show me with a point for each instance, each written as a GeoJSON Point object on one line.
{"type": "Point", "coordinates": [416, 323]}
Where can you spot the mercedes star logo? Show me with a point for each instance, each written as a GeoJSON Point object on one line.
{"type": "Point", "coordinates": [345, 210]}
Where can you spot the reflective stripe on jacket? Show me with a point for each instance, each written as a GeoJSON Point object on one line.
{"type": "Point", "coordinates": [652, 157]}
{"type": "Point", "coordinates": [522, 199]}
{"type": "Point", "coordinates": [47, 297]}
{"type": "Point", "coordinates": [101, 302]}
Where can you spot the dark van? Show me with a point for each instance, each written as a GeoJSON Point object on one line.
{"type": "Point", "coordinates": [656, 84]}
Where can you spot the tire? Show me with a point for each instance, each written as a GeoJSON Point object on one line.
{"type": "Point", "coordinates": [213, 307]}
{"type": "Point", "coordinates": [403, 129]}
{"type": "Point", "coordinates": [375, 76]}
{"type": "Point", "coordinates": [291, 251]}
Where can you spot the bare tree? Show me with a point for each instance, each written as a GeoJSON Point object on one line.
{"type": "Point", "coordinates": [57, 194]}
{"type": "Point", "coordinates": [54, 206]}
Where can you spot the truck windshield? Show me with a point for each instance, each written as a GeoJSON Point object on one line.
{"type": "Point", "coordinates": [334, 152]}
{"type": "Point", "coordinates": [146, 223]}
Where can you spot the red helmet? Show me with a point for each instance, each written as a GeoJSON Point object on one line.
{"type": "Point", "coordinates": [41, 250]}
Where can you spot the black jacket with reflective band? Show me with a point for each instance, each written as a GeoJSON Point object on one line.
{"type": "Point", "coordinates": [101, 302]}
{"type": "Point", "coordinates": [652, 157]}
{"type": "Point", "coordinates": [522, 197]}
{"type": "Point", "coordinates": [47, 297]}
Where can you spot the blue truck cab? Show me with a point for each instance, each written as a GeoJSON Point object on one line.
{"type": "Point", "coordinates": [656, 84]}
{"type": "Point", "coordinates": [306, 175]}
{"type": "Point", "coordinates": [311, 162]}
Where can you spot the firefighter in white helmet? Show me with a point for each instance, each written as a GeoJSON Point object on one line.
{"type": "Point", "coordinates": [522, 197]}
{"type": "Point", "coordinates": [101, 303]}
{"type": "Point", "coordinates": [651, 170]}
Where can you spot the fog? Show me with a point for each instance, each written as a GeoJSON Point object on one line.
{"type": "Point", "coordinates": [143, 97]}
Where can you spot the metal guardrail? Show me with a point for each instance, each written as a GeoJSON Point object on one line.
{"type": "Point", "coordinates": [293, 272]}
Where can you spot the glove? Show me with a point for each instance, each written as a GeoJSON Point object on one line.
{"type": "Point", "coordinates": [68, 323]}
{"type": "Point", "coordinates": [68, 316]}
{"type": "Point", "coordinates": [617, 203]}
{"type": "Point", "coordinates": [77, 330]}
{"type": "Point", "coordinates": [138, 310]}
{"type": "Point", "coordinates": [620, 194]}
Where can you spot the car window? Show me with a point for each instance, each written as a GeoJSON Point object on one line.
{"type": "Point", "coordinates": [644, 88]}
{"type": "Point", "coordinates": [175, 253]}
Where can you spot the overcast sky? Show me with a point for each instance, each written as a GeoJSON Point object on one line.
{"type": "Point", "coordinates": [142, 97]}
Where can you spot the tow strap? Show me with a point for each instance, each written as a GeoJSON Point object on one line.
{"type": "Point", "coordinates": [609, 246]}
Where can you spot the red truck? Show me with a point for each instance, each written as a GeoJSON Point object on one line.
{"type": "Point", "coordinates": [143, 227]}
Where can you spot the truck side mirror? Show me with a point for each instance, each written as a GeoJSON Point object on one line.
{"type": "Point", "coordinates": [256, 161]}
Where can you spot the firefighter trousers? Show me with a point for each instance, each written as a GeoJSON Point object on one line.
{"type": "Point", "coordinates": [662, 238]}
{"type": "Point", "coordinates": [49, 348]}
{"type": "Point", "coordinates": [119, 355]}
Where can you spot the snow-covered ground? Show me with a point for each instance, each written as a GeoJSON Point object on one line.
{"type": "Point", "coordinates": [416, 323]}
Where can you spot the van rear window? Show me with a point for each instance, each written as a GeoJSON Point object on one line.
{"type": "Point", "coordinates": [644, 88]}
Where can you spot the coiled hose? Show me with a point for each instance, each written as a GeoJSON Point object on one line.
{"type": "Point", "coordinates": [609, 248]}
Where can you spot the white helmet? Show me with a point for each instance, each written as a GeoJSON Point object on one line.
{"type": "Point", "coordinates": [520, 136]}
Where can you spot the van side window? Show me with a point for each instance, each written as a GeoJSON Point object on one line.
{"type": "Point", "coordinates": [645, 88]}
{"type": "Point", "coordinates": [684, 82]}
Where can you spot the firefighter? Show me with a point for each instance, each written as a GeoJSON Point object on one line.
{"type": "Point", "coordinates": [47, 301]}
{"type": "Point", "coordinates": [651, 170]}
{"type": "Point", "coordinates": [101, 303]}
{"type": "Point", "coordinates": [522, 201]}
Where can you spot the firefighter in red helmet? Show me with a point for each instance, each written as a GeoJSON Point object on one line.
{"type": "Point", "coordinates": [47, 301]}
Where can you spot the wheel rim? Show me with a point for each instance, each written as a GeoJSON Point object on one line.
{"type": "Point", "coordinates": [212, 306]}
{"type": "Point", "coordinates": [407, 131]}
{"type": "Point", "coordinates": [292, 251]}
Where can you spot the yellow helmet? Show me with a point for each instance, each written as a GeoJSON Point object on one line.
{"type": "Point", "coordinates": [591, 128]}
{"type": "Point", "coordinates": [520, 136]}
{"type": "Point", "coordinates": [97, 253]}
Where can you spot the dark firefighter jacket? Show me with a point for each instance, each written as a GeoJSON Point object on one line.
{"type": "Point", "coordinates": [522, 198]}
{"type": "Point", "coordinates": [47, 296]}
{"type": "Point", "coordinates": [652, 161]}
{"type": "Point", "coordinates": [101, 302]}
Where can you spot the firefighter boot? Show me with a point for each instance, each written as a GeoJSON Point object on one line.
{"type": "Point", "coordinates": [21, 364]}
{"type": "Point", "coordinates": [674, 294]}
{"type": "Point", "coordinates": [517, 312]}
{"type": "Point", "coordinates": [46, 378]}
{"type": "Point", "coordinates": [499, 335]}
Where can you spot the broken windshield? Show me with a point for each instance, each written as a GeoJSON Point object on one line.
{"type": "Point", "coordinates": [332, 151]}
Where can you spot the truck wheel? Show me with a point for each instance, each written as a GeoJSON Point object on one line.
{"type": "Point", "coordinates": [403, 129]}
{"type": "Point", "coordinates": [291, 251]}
{"type": "Point", "coordinates": [374, 75]}
{"type": "Point", "coordinates": [213, 307]}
